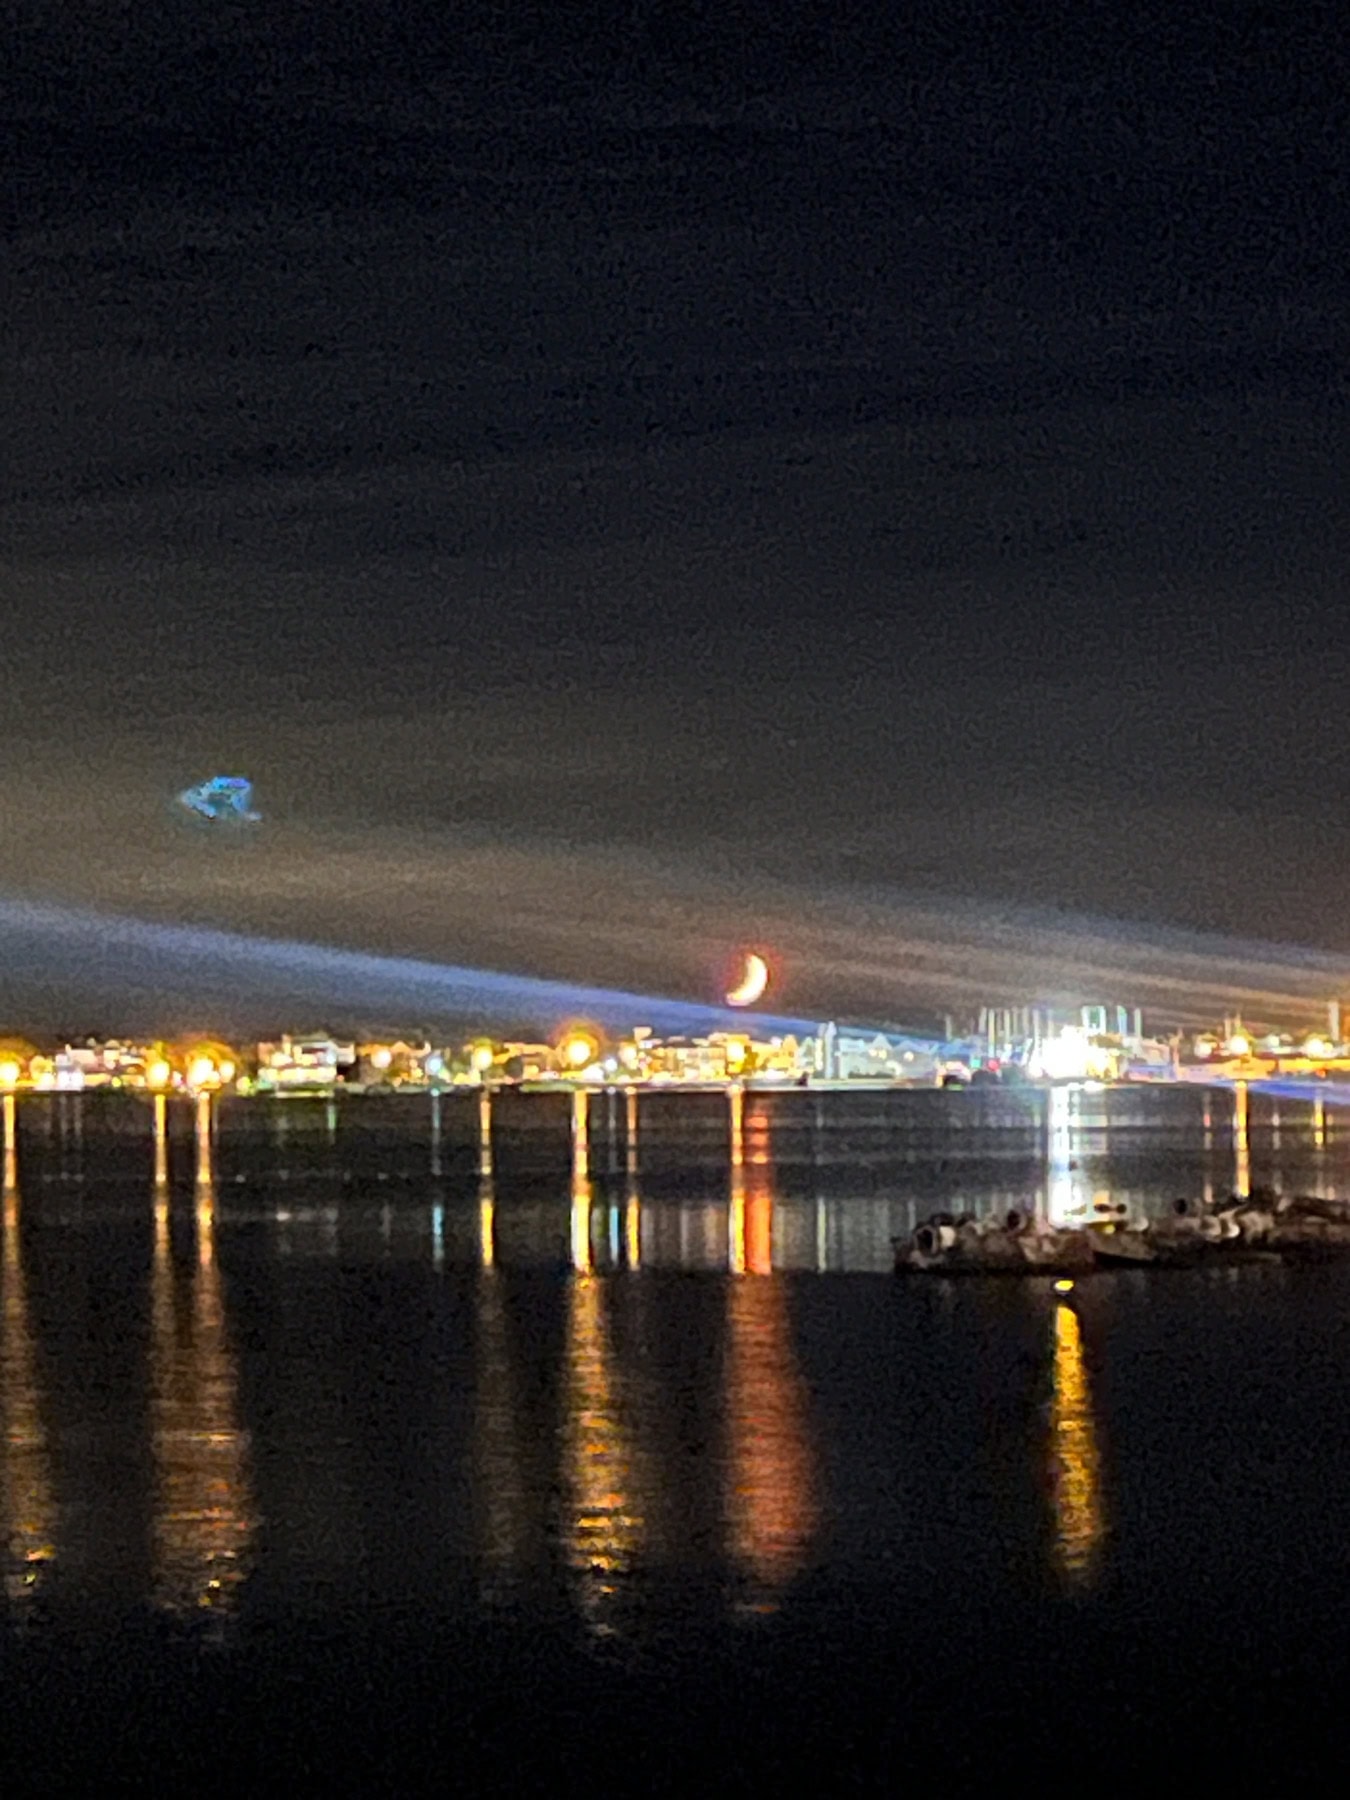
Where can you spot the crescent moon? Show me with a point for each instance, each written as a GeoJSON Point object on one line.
{"type": "Point", "coordinates": [752, 984]}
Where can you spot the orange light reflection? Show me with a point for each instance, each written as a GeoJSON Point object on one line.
{"type": "Point", "coordinates": [602, 1532]}
{"type": "Point", "coordinates": [1075, 1462]}
{"type": "Point", "coordinates": [773, 1504]}
{"type": "Point", "coordinates": [204, 1524]}
{"type": "Point", "coordinates": [161, 1106]}
{"type": "Point", "coordinates": [27, 1500]}
{"type": "Point", "coordinates": [487, 1226]}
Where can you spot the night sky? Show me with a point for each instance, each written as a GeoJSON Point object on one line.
{"type": "Point", "coordinates": [629, 483]}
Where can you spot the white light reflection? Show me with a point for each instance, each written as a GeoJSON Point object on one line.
{"type": "Point", "coordinates": [1067, 1192]}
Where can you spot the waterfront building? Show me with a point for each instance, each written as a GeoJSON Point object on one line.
{"type": "Point", "coordinates": [527, 1062]}
{"type": "Point", "coordinates": [398, 1064]}
{"type": "Point", "coordinates": [838, 1054]}
{"type": "Point", "coordinates": [719, 1057]}
{"type": "Point", "coordinates": [297, 1065]}
{"type": "Point", "coordinates": [94, 1063]}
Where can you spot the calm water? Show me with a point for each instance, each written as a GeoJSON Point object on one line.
{"type": "Point", "coordinates": [368, 1431]}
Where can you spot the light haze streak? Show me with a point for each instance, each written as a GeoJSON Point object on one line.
{"type": "Point", "coordinates": [108, 953]}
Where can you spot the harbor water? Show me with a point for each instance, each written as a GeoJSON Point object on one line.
{"type": "Point", "coordinates": [546, 1441]}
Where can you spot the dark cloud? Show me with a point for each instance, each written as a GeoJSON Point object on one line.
{"type": "Point", "coordinates": [871, 455]}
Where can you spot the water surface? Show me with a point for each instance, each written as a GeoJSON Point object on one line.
{"type": "Point", "coordinates": [541, 1426]}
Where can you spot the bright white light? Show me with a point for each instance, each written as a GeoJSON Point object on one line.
{"type": "Point", "coordinates": [1066, 1057]}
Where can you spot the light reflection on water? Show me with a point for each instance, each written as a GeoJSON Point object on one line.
{"type": "Point", "coordinates": [606, 1421]}
{"type": "Point", "coordinates": [842, 1194]}
{"type": "Point", "coordinates": [604, 1526]}
{"type": "Point", "coordinates": [203, 1507]}
{"type": "Point", "coordinates": [772, 1481]}
{"type": "Point", "coordinates": [27, 1504]}
{"type": "Point", "coordinates": [500, 1504]}
{"type": "Point", "coordinates": [1075, 1463]}
{"type": "Point", "coordinates": [771, 1500]}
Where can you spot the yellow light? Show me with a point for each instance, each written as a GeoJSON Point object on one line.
{"type": "Point", "coordinates": [482, 1058]}
{"type": "Point", "coordinates": [10, 1071]}
{"type": "Point", "coordinates": [158, 1074]}
{"type": "Point", "coordinates": [381, 1058]}
{"type": "Point", "coordinates": [201, 1072]}
{"type": "Point", "coordinates": [1075, 1461]}
{"type": "Point", "coordinates": [1317, 1046]}
{"type": "Point", "coordinates": [1063, 1287]}
{"type": "Point", "coordinates": [227, 1071]}
{"type": "Point", "coordinates": [1239, 1045]}
{"type": "Point", "coordinates": [578, 1050]}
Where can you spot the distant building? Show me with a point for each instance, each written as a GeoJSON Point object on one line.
{"type": "Point", "coordinates": [297, 1065]}
{"type": "Point", "coordinates": [93, 1064]}
{"type": "Point", "coordinates": [527, 1062]}
{"type": "Point", "coordinates": [398, 1064]}
{"type": "Point", "coordinates": [836, 1054]}
{"type": "Point", "coordinates": [719, 1057]}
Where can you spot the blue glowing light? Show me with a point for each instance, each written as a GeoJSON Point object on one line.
{"type": "Point", "coordinates": [229, 975]}
{"type": "Point", "coordinates": [223, 797]}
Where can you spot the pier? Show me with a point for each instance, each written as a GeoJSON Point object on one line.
{"type": "Point", "coordinates": [730, 1159]}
